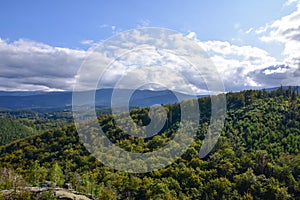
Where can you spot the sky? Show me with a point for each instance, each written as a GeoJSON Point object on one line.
{"type": "Point", "coordinates": [253, 44]}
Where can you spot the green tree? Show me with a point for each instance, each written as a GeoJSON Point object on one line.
{"type": "Point", "coordinates": [37, 174]}
{"type": "Point", "coordinates": [220, 188]}
{"type": "Point", "coordinates": [56, 175]}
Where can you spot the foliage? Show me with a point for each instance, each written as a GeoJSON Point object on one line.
{"type": "Point", "coordinates": [12, 129]}
{"type": "Point", "coordinates": [256, 157]}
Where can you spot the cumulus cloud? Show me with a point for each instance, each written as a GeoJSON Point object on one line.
{"type": "Point", "coordinates": [239, 65]}
{"type": "Point", "coordinates": [247, 66]}
{"type": "Point", "coordinates": [286, 31]}
{"type": "Point", "coordinates": [29, 65]}
{"type": "Point", "coordinates": [276, 70]}
{"type": "Point", "coordinates": [147, 57]}
{"type": "Point", "coordinates": [275, 75]}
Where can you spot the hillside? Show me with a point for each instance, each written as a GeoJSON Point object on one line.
{"type": "Point", "coordinates": [257, 156]}
{"type": "Point", "coordinates": [12, 129]}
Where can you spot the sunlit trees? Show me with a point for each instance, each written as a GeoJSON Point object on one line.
{"type": "Point", "coordinates": [56, 175]}
{"type": "Point", "coordinates": [256, 157]}
{"type": "Point", "coordinates": [37, 174]}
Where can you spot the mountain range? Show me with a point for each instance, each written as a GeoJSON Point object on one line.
{"type": "Point", "coordinates": [41, 101]}
{"type": "Point", "coordinates": [46, 101]}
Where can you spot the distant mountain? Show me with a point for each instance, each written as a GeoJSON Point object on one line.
{"type": "Point", "coordinates": [45, 101]}
{"type": "Point", "coordinates": [22, 93]}
{"type": "Point", "coordinates": [56, 101]}
{"type": "Point", "coordinates": [283, 87]}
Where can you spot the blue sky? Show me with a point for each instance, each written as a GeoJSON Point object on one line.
{"type": "Point", "coordinates": [66, 23]}
{"type": "Point", "coordinates": [223, 28]}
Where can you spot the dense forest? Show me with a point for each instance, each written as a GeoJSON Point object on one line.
{"type": "Point", "coordinates": [257, 155]}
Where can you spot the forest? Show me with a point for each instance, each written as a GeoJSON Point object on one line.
{"type": "Point", "coordinates": [256, 157]}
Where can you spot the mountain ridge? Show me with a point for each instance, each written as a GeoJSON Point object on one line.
{"type": "Point", "coordinates": [63, 100]}
{"type": "Point", "coordinates": [41, 101]}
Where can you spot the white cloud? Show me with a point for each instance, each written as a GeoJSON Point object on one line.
{"type": "Point", "coordinates": [229, 57]}
{"type": "Point", "coordinates": [249, 30]}
{"type": "Point", "coordinates": [147, 55]}
{"type": "Point", "coordinates": [281, 69]}
{"type": "Point", "coordinates": [246, 66]}
{"type": "Point", "coordinates": [29, 65]}
{"type": "Point", "coordinates": [287, 32]}
{"type": "Point", "coordinates": [289, 2]}
{"type": "Point", "coordinates": [262, 29]}
{"type": "Point", "coordinates": [87, 42]}
{"type": "Point", "coordinates": [192, 35]}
